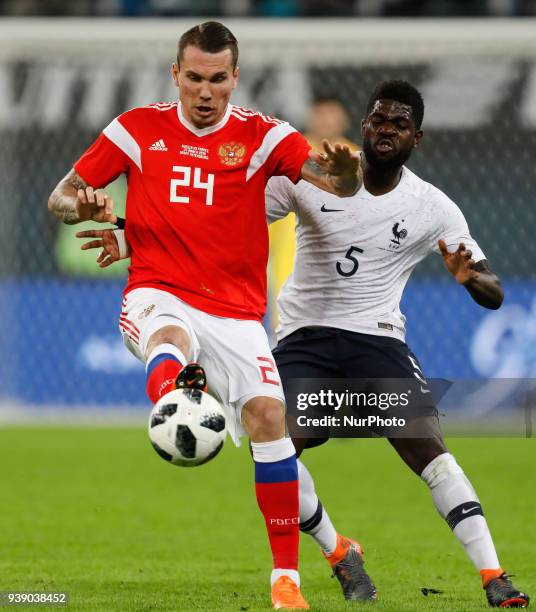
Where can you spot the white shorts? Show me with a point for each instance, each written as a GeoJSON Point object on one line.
{"type": "Point", "coordinates": [235, 353]}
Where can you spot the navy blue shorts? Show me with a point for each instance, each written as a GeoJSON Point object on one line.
{"type": "Point", "coordinates": [327, 352]}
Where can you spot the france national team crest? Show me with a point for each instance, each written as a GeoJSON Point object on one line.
{"type": "Point", "coordinates": [232, 153]}
{"type": "Point", "coordinates": [399, 233]}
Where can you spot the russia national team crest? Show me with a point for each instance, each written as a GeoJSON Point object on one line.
{"type": "Point", "coordinates": [232, 153]}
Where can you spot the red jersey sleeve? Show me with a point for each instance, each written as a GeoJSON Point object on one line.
{"type": "Point", "coordinates": [102, 162]}
{"type": "Point", "coordinates": [288, 157]}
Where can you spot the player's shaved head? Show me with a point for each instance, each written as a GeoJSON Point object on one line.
{"type": "Point", "coordinates": [210, 37]}
{"type": "Point", "coordinates": [399, 91]}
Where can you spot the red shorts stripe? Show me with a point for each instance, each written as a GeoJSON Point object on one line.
{"type": "Point", "coordinates": [128, 333]}
{"type": "Point", "coordinates": [128, 328]}
{"type": "Point", "coordinates": [129, 322]}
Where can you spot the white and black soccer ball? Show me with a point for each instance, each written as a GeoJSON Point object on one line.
{"type": "Point", "coordinates": [187, 427]}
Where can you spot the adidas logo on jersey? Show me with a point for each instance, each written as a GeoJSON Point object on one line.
{"type": "Point", "coordinates": [159, 145]}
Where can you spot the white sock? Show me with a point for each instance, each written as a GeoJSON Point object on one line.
{"type": "Point", "coordinates": [277, 573]}
{"type": "Point", "coordinates": [162, 349]}
{"type": "Point", "coordinates": [457, 502]}
{"type": "Point", "coordinates": [270, 452]}
{"type": "Point", "coordinates": [314, 520]}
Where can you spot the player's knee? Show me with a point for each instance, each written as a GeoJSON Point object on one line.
{"type": "Point", "coordinates": [264, 418]}
{"type": "Point", "coordinates": [417, 452]}
{"type": "Point", "coordinates": [439, 469]}
{"type": "Point", "coordinates": [170, 334]}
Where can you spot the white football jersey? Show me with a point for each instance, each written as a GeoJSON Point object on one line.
{"type": "Point", "coordinates": [354, 255]}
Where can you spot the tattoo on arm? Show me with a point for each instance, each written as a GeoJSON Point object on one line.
{"type": "Point", "coordinates": [338, 185]}
{"type": "Point", "coordinates": [313, 167]}
{"type": "Point", "coordinates": [316, 175]}
{"type": "Point", "coordinates": [62, 201]}
{"type": "Point", "coordinates": [75, 180]}
{"type": "Point", "coordinates": [346, 185]}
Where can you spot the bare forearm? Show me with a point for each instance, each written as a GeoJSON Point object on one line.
{"type": "Point", "coordinates": [486, 290]}
{"type": "Point", "coordinates": [62, 202]}
{"type": "Point", "coordinates": [345, 186]}
{"type": "Point", "coordinates": [341, 185]}
{"type": "Point", "coordinates": [63, 207]}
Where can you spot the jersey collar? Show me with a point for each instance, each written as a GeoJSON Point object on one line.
{"type": "Point", "coordinates": [203, 131]}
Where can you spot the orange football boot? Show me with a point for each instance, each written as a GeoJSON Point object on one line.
{"type": "Point", "coordinates": [286, 595]}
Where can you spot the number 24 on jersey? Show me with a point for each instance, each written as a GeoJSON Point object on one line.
{"type": "Point", "coordinates": [195, 182]}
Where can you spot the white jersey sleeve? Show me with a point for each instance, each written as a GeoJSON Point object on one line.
{"type": "Point", "coordinates": [451, 226]}
{"type": "Point", "coordinates": [280, 198]}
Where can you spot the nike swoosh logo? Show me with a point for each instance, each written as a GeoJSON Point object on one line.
{"type": "Point", "coordinates": [466, 510]}
{"type": "Point", "coordinates": [324, 209]}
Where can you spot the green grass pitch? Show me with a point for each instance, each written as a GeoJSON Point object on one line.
{"type": "Point", "coordinates": [95, 512]}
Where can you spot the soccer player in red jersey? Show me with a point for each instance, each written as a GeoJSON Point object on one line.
{"type": "Point", "coordinates": [197, 232]}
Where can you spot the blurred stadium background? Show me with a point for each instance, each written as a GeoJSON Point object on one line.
{"type": "Point", "coordinates": [62, 81]}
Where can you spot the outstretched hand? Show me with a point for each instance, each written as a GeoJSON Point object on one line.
{"type": "Point", "coordinates": [338, 170]}
{"type": "Point", "coordinates": [460, 263]}
{"type": "Point", "coordinates": [337, 159]}
{"type": "Point", "coordinates": [105, 240]}
{"type": "Point", "coordinates": [94, 205]}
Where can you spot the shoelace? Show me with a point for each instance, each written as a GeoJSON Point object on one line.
{"type": "Point", "coordinates": [341, 544]}
{"type": "Point", "coordinates": [287, 588]}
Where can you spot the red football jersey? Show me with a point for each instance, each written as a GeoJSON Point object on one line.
{"type": "Point", "coordinates": [196, 220]}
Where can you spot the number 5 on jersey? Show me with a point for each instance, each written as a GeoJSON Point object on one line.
{"type": "Point", "coordinates": [185, 181]}
{"type": "Point", "coordinates": [350, 256]}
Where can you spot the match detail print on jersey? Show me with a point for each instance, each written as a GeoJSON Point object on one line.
{"type": "Point", "coordinates": [195, 200]}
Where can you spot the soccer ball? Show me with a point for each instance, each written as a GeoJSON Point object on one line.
{"type": "Point", "coordinates": [187, 427]}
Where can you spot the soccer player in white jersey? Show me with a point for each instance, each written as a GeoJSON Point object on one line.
{"type": "Point", "coordinates": [340, 317]}
{"type": "Point", "coordinates": [196, 292]}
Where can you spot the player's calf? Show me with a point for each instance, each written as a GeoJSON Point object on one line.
{"type": "Point", "coordinates": [166, 354]}
{"type": "Point", "coordinates": [162, 369]}
{"type": "Point", "coordinates": [457, 502]}
{"type": "Point", "coordinates": [276, 486]}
